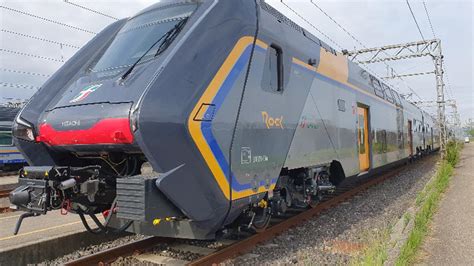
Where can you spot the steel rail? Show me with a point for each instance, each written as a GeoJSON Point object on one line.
{"type": "Point", "coordinates": [110, 255]}
{"type": "Point", "coordinates": [5, 210]}
{"type": "Point", "coordinates": [244, 245]}
{"type": "Point", "coordinates": [8, 173]}
{"type": "Point", "coordinates": [5, 193]}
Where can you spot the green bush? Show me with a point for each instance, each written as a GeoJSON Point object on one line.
{"type": "Point", "coordinates": [452, 152]}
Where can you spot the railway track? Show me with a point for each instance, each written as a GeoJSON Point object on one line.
{"type": "Point", "coordinates": [8, 173]}
{"type": "Point", "coordinates": [199, 253]}
{"type": "Point", "coordinates": [5, 193]}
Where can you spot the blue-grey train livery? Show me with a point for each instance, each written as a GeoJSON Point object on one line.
{"type": "Point", "coordinates": [195, 116]}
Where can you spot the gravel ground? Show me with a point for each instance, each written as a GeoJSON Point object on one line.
{"type": "Point", "coordinates": [93, 249]}
{"type": "Point", "coordinates": [172, 251]}
{"type": "Point", "coordinates": [332, 238]}
{"type": "Point", "coordinates": [338, 235]}
{"type": "Point", "coordinates": [160, 249]}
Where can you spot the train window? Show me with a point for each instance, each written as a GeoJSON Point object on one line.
{"type": "Point", "coordinates": [144, 37]}
{"type": "Point", "coordinates": [387, 93]}
{"type": "Point", "coordinates": [376, 85]}
{"type": "Point", "coordinates": [396, 97]}
{"type": "Point", "coordinates": [273, 74]}
{"type": "Point", "coordinates": [6, 138]}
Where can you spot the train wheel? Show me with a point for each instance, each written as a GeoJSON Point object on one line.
{"type": "Point", "coordinates": [261, 219]}
{"type": "Point", "coordinates": [314, 201]}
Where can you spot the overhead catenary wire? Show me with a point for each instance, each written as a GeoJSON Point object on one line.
{"type": "Point", "coordinates": [40, 38]}
{"type": "Point", "coordinates": [363, 45]}
{"type": "Point", "coordinates": [337, 23]}
{"type": "Point", "coordinates": [89, 9]}
{"type": "Point", "coordinates": [18, 86]}
{"type": "Point", "coordinates": [348, 33]}
{"type": "Point", "coordinates": [429, 19]}
{"type": "Point", "coordinates": [31, 55]}
{"type": "Point", "coordinates": [414, 18]}
{"type": "Point", "coordinates": [47, 19]}
{"type": "Point", "coordinates": [316, 28]}
{"type": "Point", "coordinates": [24, 72]}
{"type": "Point", "coordinates": [448, 85]}
{"type": "Point", "coordinates": [322, 33]}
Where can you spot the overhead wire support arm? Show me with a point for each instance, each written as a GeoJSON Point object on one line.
{"type": "Point", "coordinates": [397, 51]}
{"type": "Point", "coordinates": [352, 36]}
{"type": "Point", "coordinates": [409, 75]}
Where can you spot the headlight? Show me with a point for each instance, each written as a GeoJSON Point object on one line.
{"type": "Point", "coordinates": [23, 130]}
{"type": "Point", "coordinates": [134, 120]}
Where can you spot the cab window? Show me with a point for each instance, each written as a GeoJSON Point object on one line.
{"type": "Point", "coordinates": [140, 33]}
{"type": "Point", "coordinates": [273, 71]}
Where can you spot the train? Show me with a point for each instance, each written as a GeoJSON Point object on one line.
{"type": "Point", "coordinates": [10, 156]}
{"type": "Point", "coordinates": [199, 117]}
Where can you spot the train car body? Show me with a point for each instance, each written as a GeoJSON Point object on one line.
{"type": "Point", "coordinates": [193, 116]}
{"type": "Point", "coordinates": [10, 156]}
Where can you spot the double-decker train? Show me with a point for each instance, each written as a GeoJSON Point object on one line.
{"type": "Point", "coordinates": [194, 116]}
{"type": "Point", "coordinates": [10, 157]}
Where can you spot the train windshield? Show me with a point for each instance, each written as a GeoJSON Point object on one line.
{"type": "Point", "coordinates": [139, 34]}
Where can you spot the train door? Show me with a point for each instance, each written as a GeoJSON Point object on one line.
{"type": "Point", "coordinates": [410, 137]}
{"type": "Point", "coordinates": [432, 139]}
{"type": "Point", "coordinates": [363, 138]}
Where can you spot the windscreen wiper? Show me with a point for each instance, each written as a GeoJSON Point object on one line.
{"type": "Point", "coordinates": [168, 37]}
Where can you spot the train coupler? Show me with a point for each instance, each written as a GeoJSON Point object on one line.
{"type": "Point", "coordinates": [46, 188]}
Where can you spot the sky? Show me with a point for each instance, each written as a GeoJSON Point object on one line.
{"type": "Point", "coordinates": [372, 22]}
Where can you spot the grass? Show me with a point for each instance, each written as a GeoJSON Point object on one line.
{"type": "Point", "coordinates": [428, 201]}
{"type": "Point", "coordinates": [377, 249]}
{"type": "Point", "coordinates": [406, 219]}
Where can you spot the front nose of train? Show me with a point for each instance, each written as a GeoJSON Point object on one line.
{"type": "Point", "coordinates": [92, 124]}
{"type": "Point", "coordinates": [89, 115]}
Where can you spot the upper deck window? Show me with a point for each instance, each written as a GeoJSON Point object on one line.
{"type": "Point", "coordinates": [396, 97]}
{"type": "Point", "coordinates": [140, 33]}
{"type": "Point", "coordinates": [376, 85]}
{"type": "Point", "coordinates": [388, 93]}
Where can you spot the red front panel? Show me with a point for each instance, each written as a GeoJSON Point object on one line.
{"type": "Point", "coordinates": [106, 131]}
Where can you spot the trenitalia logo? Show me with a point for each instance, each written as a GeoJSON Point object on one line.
{"type": "Point", "coordinates": [85, 93]}
{"type": "Point", "coordinates": [272, 122]}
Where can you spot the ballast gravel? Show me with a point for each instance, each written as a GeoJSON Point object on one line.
{"type": "Point", "coordinates": [340, 234]}
{"type": "Point", "coordinates": [85, 251]}
{"type": "Point", "coordinates": [332, 238]}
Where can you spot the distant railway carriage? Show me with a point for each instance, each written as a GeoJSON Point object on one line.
{"type": "Point", "coordinates": [10, 156]}
{"type": "Point", "coordinates": [194, 116]}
